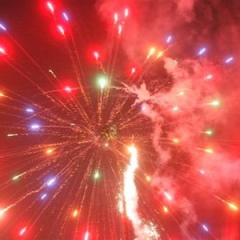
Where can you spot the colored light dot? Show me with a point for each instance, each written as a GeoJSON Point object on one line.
{"type": "Point", "coordinates": [209, 76]}
{"type": "Point", "coordinates": [205, 228]}
{"type": "Point", "coordinates": [35, 127]}
{"type": "Point", "coordinates": [43, 196]}
{"type": "Point", "coordinates": [51, 182]}
{"type": "Point", "coordinates": [209, 132]}
{"type": "Point", "coordinates": [148, 178]}
{"type": "Point", "coordinates": [2, 211]}
{"type": "Point", "coordinates": [169, 39]}
{"type": "Point", "coordinates": [96, 175]}
{"type": "Point", "coordinates": [168, 196]}
{"type": "Point", "coordinates": [75, 213]}
{"type": "Point", "coordinates": [229, 59]}
{"type": "Point", "coordinates": [165, 209]}
{"type": "Point", "coordinates": [29, 110]}
{"type": "Point", "coordinates": [176, 140]}
{"type": "Point", "coordinates": [208, 150]}
{"type": "Point", "coordinates": [16, 177]}
{"type": "Point", "coordinates": [215, 103]}
{"type": "Point", "coordinates": [22, 231]}
{"type": "Point", "coordinates": [175, 109]}
{"type": "Point", "coordinates": [233, 206]}
{"type": "Point", "coordinates": [102, 82]}
{"type": "Point", "coordinates": [49, 151]}
{"type": "Point", "coordinates": [202, 51]}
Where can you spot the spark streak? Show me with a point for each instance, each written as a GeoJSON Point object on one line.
{"type": "Point", "coordinates": [141, 230]}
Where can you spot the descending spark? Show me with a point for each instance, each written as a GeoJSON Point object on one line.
{"type": "Point", "coordinates": [16, 177]}
{"type": "Point", "coordinates": [209, 132]}
{"type": "Point", "coordinates": [231, 205]}
{"type": "Point", "coordinates": [86, 236]}
{"type": "Point", "coordinates": [169, 39]}
{"type": "Point", "coordinates": [49, 151]}
{"type": "Point", "coordinates": [115, 18]}
{"type": "Point", "coordinates": [35, 127]}
{"type": "Point", "coordinates": [168, 196]}
{"type": "Point", "coordinates": [208, 150]}
{"type": "Point", "coordinates": [2, 51]}
{"type": "Point", "coordinates": [133, 70]}
{"type": "Point", "coordinates": [52, 73]}
{"type": "Point", "coordinates": [75, 213]}
{"type": "Point", "coordinates": [215, 103]}
{"type": "Point", "coordinates": [22, 231]}
{"type": "Point", "coordinates": [12, 134]}
{"type": "Point", "coordinates": [151, 52]}
{"type": "Point", "coordinates": [202, 51]}
{"type": "Point", "coordinates": [165, 209]}
{"type": "Point", "coordinates": [3, 27]}
{"type": "Point", "coordinates": [202, 171]}
{"type": "Point", "coordinates": [29, 110]}
{"type": "Point", "coordinates": [65, 16]}
{"type": "Point", "coordinates": [120, 28]}
{"type": "Point", "coordinates": [51, 182]}
{"type": "Point", "coordinates": [43, 196]}
{"type": "Point", "coordinates": [96, 55]}
{"type": "Point", "coordinates": [126, 12]}
{"type": "Point", "coordinates": [209, 76]}
{"type": "Point", "coordinates": [61, 30]}
{"type": "Point", "coordinates": [50, 6]}
{"type": "Point", "coordinates": [205, 228]}
{"type": "Point", "coordinates": [2, 211]}
{"type": "Point", "coordinates": [229, 60]}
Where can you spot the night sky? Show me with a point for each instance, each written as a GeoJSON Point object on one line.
{"type": "Point", "coordinates": [119, 120]}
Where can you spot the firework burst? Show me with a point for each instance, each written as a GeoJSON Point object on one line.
{"type": "Point", "coordinates": [66, 129]}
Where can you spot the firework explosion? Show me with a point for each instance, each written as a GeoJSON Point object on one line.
{"type": "Point", "coordinates": [112, 128]}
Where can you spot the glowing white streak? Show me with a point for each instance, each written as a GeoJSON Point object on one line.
{"type": "Point", "coordinates": [86, 236]}
{"type": "Point", "coordinates": [169, 39]}
{"type": "Point", "coordinates": [2, 50]}
{"type": "Point", "coordinates": [3, 27]}
{"type": "Point", "coordinates": [61, 30]}
{"type": "Point", "coordinates": [96, 55]}
{"type": "Point", "coordinates": [119, 29]}
{"type": "Point", "coordinates": [130, 191]}
{"type": "Point", "coordinates": [205, 227]}
{"type": "Point", "coordinates": [141, 230]}
{"type": "Point", "coordinates": [126, 12]}
{"type": "Point", "coordinates": [202, 51]}
{"type": "Point", "coordinates": [115, 18]}
{"type": "Point", "coordinates": [22, 231]}
{"type": "Point", "coordinates": [65, 16]}
{"type": "Point", "coordinates": [50, 6]}
{"type": "Point", "coordinates": [228, 60]}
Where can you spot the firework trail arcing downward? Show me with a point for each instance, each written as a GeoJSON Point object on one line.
{"type": "Point", "coordinates": [141, 230]}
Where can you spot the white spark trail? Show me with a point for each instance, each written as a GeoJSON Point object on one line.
{"type": "Point", "coordinates": [142, 231]}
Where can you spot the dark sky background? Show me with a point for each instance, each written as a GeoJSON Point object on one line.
{"type": "Point", "coordinates": [32, 31]}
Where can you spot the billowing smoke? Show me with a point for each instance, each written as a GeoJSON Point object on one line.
{"type": "Point", "coordinates": [204, 92]}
